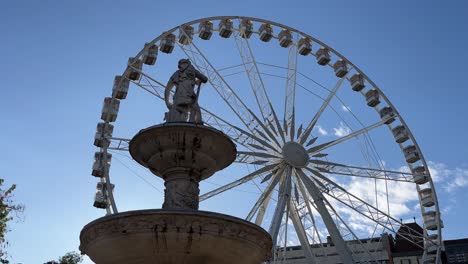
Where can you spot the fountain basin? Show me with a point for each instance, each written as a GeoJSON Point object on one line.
{"type": "Point", "coordinates": [174, 237]}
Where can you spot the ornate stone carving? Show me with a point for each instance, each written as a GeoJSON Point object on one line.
{"type": "Point", "coordinates": [181, 194]}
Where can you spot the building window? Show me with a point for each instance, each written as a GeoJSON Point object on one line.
{"type": "Point", "coordinates": [405, 261]}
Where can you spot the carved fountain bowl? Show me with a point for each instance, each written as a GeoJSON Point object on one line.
{"type": "Point", "coordinates": [198, 149]}
{"type": "Point", "coordinates": [174, 236]}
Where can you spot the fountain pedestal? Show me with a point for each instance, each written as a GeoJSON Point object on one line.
{"type": "Point", "coordinates": [182, 154]}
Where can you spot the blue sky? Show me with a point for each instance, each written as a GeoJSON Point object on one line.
{"type": "Point", "coordinates": [60, 58]}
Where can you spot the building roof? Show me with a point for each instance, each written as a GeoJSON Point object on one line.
{"type": "Point", "coordinates": [409, 231]}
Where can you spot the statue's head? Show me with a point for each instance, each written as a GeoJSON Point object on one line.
{"type": "Point", "coordinates": [184, 64]}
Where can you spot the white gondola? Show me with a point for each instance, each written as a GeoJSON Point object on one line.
{"type": "Point", "coordinates": [110, 109]}
{"type": "Point", "coordinates": [185, 34]}
{"type": "Point", "coordinates": [387, 114]}
{"type": "Point", "coordinates": [205, 30]}
{"type": "Point", "coordinates": [226, 28]}
{"type": "Point", "coordinates": [304, 46]}
{"type": "Point", "coordinates": [265, 32]}
{"type": "Point", "coordinates": [98, 168]}
{"type": "Point", "coordinates": [427, 197]}
{"type": "Point", "coordinates": [340, 68]}
{"type": "Point", "coordinates": [420, 175]}
{"type": "Point", "coordinates": [151, 53]}
{"type": "Point", "coordinates": [246, 28]}
{"type": "Point", "coordinates": [167, 43]}
{"type": "Point", "coordinates": [100, 200]}
{"type": "Point", "coordinates": [430, 220]}
{"type": "Point", "coordinates": [285, 38]}
{"type": "Point", "coordinates": [411, 154]}
{"type": "Point", "coordinates": [323, 56]}
{"type": "Point", "coordinates": [135, 65]}
{"type": "Point", "coordinates": [400, 133]}
{"type": "Point", "coordinates": [120, 88]}
{"type": "Point", "coordinates": [103, 133]}
{"type": "Point", "coordinates": [372, 98]}
{"type": "Point", "coordinates": [103, 186]}
{"type": "Point", "coordinates": [357, 82]}
{"type": "Point", "coordinates": [432, 243]}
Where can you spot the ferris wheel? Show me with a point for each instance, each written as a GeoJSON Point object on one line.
{"type": "Point", "coordinates": [322, 152]}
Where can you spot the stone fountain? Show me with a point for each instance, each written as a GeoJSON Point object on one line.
{"type": "Point", "coordinates": [183, 154]}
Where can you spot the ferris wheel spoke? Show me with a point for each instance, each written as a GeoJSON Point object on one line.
{"type": "Point", "coordinates": [258, 154]}
{"type": "Point", "coordinates": [255, 79]}
{"type": "Point", "coordinates": [289, 102]}
{"type": "Point", "coordinates": [301, 233]}
{"type": "Point", "coordinates": [341, 169]}
{"type": "Point", "coordinates": [240, 181]}
{"type": "Point", "coordinates": [221, 86]}
{"type": "Point", "coordinates": [265, 197]}
{"type": "Point", "coordinates": [118, 143]}
{"type": "Point", "coordinates": [362, 207]}
{"type": "Point", "coordinates": [356, 133]}
{"type": "Point", "coordinates": [335, 235]}
{"type": "Point", "coordinates": [255, 158]}
{"type": "Point", "coordinates": [237, 134]}
{"type": "Point", "coordinates": [284, 195]}
{"type": "Point", "coordinates": [317, 115]}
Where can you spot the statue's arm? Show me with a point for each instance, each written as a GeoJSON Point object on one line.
{"type": "Point", "coordinates": [201, 76]}
{"type": "Point", "coordinates": [167, 92]}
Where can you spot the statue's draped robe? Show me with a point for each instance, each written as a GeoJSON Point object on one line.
{"type": "Point", "coordinates": [185, 98]}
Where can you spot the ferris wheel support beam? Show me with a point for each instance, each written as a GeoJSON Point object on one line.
{"type": "Point", "coordinates": [317, 115]}
{"type": "Point", "coordinates": [350, 231]}
{"type": "Point", "coordinates": [309, 206]}
{"type": "Point", "coordinates": [317, 196]}
{"type": "Point", "coordinates": [284, 194]}
{"type": "Point", "coordinates": [262, 210]}
{"type": "Point", "coordinates": [289, 102]}
{"type": "Point", "coordinates": [362, 207]}
{"type": "Point", "coordinates": [301, 233]}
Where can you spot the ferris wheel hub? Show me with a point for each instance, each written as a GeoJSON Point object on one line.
{"type": "Point", "coordinates": [295, 154]}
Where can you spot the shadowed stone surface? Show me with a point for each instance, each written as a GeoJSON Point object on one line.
{"type": "Point", "coordinates": [182, 154]}
{"type": "Point", "coordinates": [174, 236]}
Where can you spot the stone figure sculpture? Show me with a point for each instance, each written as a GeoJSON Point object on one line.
{"type": "Point", "coordinates": [185, 99]}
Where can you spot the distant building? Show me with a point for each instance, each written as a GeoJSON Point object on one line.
{"type": "Point", "coordinates": [456, 250]}
{"type": "Point", "coordinates": [405, 251]}
{"type": "Point", "coordinates": [378, 248]}
{"type": "Point", "coordinates": [405, 248]}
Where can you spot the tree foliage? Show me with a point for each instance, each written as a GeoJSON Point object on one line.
{"type": "Point", "coordinates": [8, 210]}
{"type": "Point", "coordinates": [69, 258]}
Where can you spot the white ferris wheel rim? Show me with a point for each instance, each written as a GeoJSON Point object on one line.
{"type": "Point", "coordinates": [288, 158]}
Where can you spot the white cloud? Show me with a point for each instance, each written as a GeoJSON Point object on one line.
{"type": "Point", "coordinates": [345, 108]}
{"type": "Point", "coordinates": [321, 130]}
{"type": "Point", "coordinates": [342, 130]}
{"type": "Point", "coordinates": [450, 178]}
